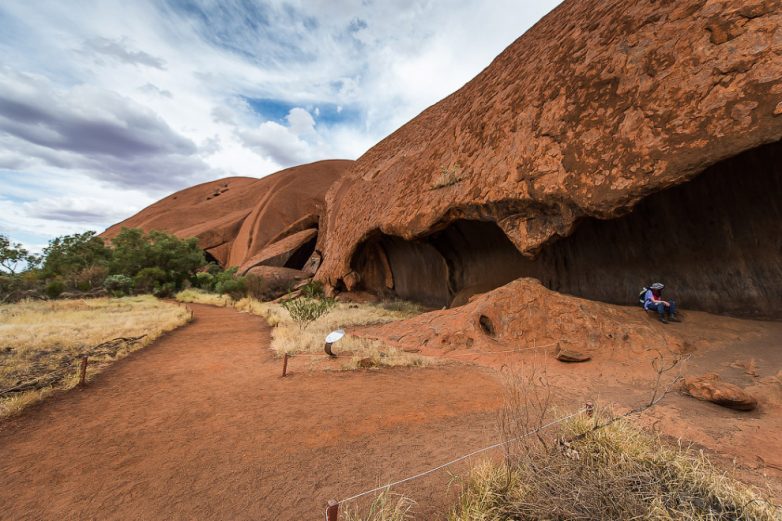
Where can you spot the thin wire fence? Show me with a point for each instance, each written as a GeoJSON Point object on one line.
{"type": "Point", "coordinates": [460, 458]}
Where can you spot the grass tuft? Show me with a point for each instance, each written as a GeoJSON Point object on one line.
{"type": "Point", "coordinates": [385, 507]}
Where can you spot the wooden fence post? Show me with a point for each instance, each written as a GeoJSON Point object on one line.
{"type": "Point", "coordinates": [284, 365]}
{"type": "Point", "coordinates": [332, 511]}
{"type": "Point", "coordinates": [83, 371]}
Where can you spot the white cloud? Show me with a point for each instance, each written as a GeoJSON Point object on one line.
{"type": "Point", "coordinates": [131, 100]}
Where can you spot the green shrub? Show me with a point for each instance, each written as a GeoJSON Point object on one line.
{"type": "Point", "coordinates": [133, 251]}
{"type": "Point", "coordinates": [229, 283]}
{"type": "Point", "coordinates": [118, 285]}
{"type": "Point", "coordinates": [70, 255]}
{"type": "Point", "coordinates": [235, 288]}
{"type": "Point", "coordinates": [305, 310]}
{"type": "Point", "coordinates": [204, 280]}
{"type": "Point", "coordinates": [313, 289]}
{"type": "Point", "coordinates": [148, 279]}
{"type": "Point", "coordinates": [55, 288]}
{"type": "Point", "coordinates": [164, 290]}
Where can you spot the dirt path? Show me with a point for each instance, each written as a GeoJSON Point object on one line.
{"type": "Point", "coordinates": [200, 426]}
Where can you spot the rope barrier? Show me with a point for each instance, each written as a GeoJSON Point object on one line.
{"type": "Point", "coordinates": [462, 458]}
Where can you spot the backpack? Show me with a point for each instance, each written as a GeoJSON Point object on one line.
{"type": "Point", "coordinates": [642, 296]}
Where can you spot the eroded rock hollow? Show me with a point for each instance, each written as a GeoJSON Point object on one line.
{"type": "Point", "coordinates": [716, 241]}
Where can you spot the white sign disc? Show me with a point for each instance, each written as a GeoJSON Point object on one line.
{"type": "Point", "coordinates": [334, 336]}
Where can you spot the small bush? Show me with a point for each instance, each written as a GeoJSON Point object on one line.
{"type": "Point", "coordinates": [305, 310]}
{"type": "Point", "coordinates": [213, 269]}
{"type": "Point", "coordinates": [228, 283]}
{"type": "Point", "coordinates": [118, 285]}
{"type": "Point", "coordinates": [148, 279]}
{"type": "Point", "coordinates": [313, 289]}
{"type": "Point", "coordinates": [55, 288]}
{"type": "Point", "coordinates": [90, 277]}
{"type": "Point", "coordinates": [165, 290]}
{"type": "Point", "coordinates": [204, 280]}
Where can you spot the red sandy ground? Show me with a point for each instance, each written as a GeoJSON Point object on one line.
{"type": "Point", "coordinates": [199, 425]}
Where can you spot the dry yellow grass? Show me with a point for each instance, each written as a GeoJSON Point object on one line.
{"type": "Point", "coordinates": [47, 337]}
{"type": "Point", "coordinates": [288, 338]}
{"type": "Point", "coordinates": [615, 472]}
{"type": "Point", "coordinates": [202, 297]}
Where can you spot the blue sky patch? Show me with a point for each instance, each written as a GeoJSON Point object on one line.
{"type": "Point", "coordinates": [328, 114]}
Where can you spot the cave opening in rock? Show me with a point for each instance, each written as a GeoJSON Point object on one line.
{"type": "Point", "coordinates": [299, 257]}
{"type": "Point", "coordinates": [442, 269]}
{"type": "Point", "coordinates": [715, 241]}
{"type": "Point", "coordinates": [210, 258]}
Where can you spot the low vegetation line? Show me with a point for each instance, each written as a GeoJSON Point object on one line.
{"type": "Point", "coordinates": [304, 333]}
{"type": "Point", "coordinates": [42, 342]}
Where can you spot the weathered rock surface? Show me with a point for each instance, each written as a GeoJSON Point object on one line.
{"type": "Point", "coordinates": [237, 218]}
{"type": "Point", "coordinates": [710, 388]}
{"type": "Point", "coordinates": [282, 252]}
{"type": "Point", "coordinates": [525, 316]}
{"type": "Point", "coordinates": [595, 108]}
{"type": "Point", "coordinates": [570, 356]}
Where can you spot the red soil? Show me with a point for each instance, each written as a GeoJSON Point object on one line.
{"type": "Point", "coordinates": [199, 425]}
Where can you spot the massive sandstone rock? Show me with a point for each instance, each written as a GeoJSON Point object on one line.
{"type": "Point", "coordinates": [246, 222]}
{"type": "Point", "coordinates": [594, 114]}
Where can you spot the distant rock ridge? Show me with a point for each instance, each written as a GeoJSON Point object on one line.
{"type": "Point", "coordinates": [237, 218]}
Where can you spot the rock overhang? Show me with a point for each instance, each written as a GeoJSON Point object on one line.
{"type": "Point", "coordinates": [598, 106]}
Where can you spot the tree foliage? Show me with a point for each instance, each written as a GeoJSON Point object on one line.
{"type": "Point", "coordinates": [134, 251]}
{"type": "Point", "coordinates": [69, 255]}
{"type": "Point", "coordinates": [155, 262]}
{"type": "Point", "coordinates": [14, 256]}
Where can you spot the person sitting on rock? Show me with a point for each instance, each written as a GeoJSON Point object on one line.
{"type": "Point", "coordinates": [653, 302]}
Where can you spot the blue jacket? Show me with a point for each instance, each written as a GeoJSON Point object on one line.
{"type": "Point", "coordinates": [648, 299]}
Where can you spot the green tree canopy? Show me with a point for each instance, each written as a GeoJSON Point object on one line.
{"type": "Point", "coordinates": [134, 251]}
{"type": "Point", "coordinates": [70, 254]}
{"type": "Point", "coordinates": [13, 256]}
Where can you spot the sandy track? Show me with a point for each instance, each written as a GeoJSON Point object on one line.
{"type": "Point", "coordinates": [200, 426]}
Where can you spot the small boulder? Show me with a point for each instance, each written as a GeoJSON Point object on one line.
{"type": "Point", "coordinates": [710, 388]}
{"type": "Point", "coordinates": [366, 363]}
{"type": "Point", "coordinates": [351, 280]}
{"type": "Point", "coordinates": [568, 356]}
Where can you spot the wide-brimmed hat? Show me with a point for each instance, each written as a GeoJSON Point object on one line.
{"type": "Point", "coordinates": [658, 285]}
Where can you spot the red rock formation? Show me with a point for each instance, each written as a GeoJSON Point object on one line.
{"type": "Point", "coordinates": [594, 109]}
{"type": "Point", "coordinates": [710, 388]}
{"type": "Point", "coordinates": [237, 219]}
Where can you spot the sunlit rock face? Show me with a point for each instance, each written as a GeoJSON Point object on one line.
{"type": "Point", "coordinates": [247, 222]}
{"type": "Point", "coordinates": [614, 144]}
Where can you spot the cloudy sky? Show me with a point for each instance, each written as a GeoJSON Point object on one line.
{"type": "Point", "coordinates": [107, 106]}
